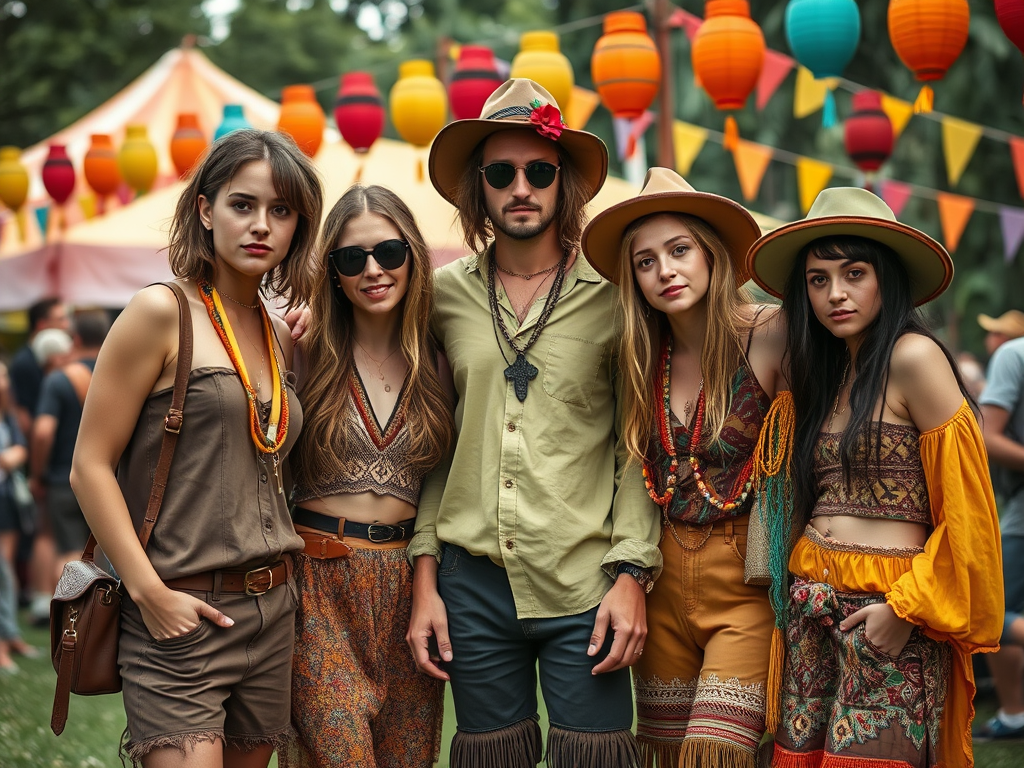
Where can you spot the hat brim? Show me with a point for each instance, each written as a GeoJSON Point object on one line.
{"type": "Point", "coordinates": [456, 142]}
{"type": "Point", "coordinates": [602, 239]}
{"type": "Point", "coordinates": [770, 260]}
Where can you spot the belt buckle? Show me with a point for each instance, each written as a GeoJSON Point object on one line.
{"type": "Point", "coordinates": [390, 532]}
{"type": "Point", "coordinates": [257, 574]}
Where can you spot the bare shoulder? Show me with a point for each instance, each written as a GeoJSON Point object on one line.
{"type": "Point", "coordinates": [284, 337]}
{"type": "Point", "coordinates": [149, 319]}
{"type": "Point", "coordinates": [923, 380]}
{"type": "Point", "coordinates": [915, 356]}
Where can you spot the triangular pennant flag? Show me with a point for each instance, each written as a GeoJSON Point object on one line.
{"type": "Point", "coordinates": [954, 213]}
{"type": "Point", "coordinates": [637, 128]}
{"type": "Point", "coordinates": [895, 194]}
{"type": "Point", "coordinates": [1017, 151]}
{"type": "Point", "coordinates": [751, 163]}
{"type": "Point", "coordinates": [774, 71]}
{"type": "Point", "coordinates": [1011, 222]}
{"type": "Point", "coordinates": [88, 205]}
{"type": "Point", "coordinates": [582, 104]}
{"type": "Point", "coordinates": [43, 217]}
{"type": "Point", "coordinates": [899, 113]}
{"type": "Point", "coordinates": [811, 178]}
{"type": "Point", "coordinates": [809, 95]}
{"type": "Point", "coordinates": [687, 21]}
{"type": "Point", "coordinates": [959, 140]}
{"type": "Point", "coordinates": [688, 140]}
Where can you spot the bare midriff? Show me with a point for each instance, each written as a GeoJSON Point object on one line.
{"type": "Point", "coordinates": [872, 532]}
{"type": "Point", "coordinates": [365, 507]}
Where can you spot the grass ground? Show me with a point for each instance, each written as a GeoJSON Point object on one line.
{"type": "Point", "coordinates": [95, 724]}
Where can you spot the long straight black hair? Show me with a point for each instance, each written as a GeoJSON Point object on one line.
{"type": "Point", "coordinates": [818, 360]}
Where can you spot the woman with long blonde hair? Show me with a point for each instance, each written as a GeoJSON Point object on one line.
{"type": "Point", "coordinates": [700, 366]}
{"type": "Point", "coordinates": [377, 419]}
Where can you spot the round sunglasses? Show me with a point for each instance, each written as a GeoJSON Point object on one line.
{"type": "Point", "coordinates": [540, 175]}
{"type": "Point", "coordinates": [351, 260]}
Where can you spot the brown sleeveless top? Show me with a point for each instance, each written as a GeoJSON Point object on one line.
{"type": "Point", "coordinates": [375, 457]}
{"type": "Point", "coordinates": [893, 489]}
{"type": "Point", "coordinates": [222, 507]}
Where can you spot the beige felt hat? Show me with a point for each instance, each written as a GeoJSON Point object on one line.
{"type": "Point", "coordinates": [518, 103]}
{"type": "Point", "coordinates": [852, 211]}
{"type": "Point", "coordinates": [1010, 323]}
{"type": "Point", "coordinates": [665, 191]}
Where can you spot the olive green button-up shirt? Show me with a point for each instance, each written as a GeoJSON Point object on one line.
{"type": "Point", "coordinates": [540, 486]}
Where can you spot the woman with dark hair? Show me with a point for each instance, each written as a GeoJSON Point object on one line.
{"type": "Point", "coordinates": [207, 619]}
{"type": "Point", "coordinates": [377, 420]}
{"type": "Point", "coordinates": [895, 581]}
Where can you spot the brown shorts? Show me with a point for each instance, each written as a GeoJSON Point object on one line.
{"type": "Point", "coordinates": [212, 683]}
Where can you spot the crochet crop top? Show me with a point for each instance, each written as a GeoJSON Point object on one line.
{"type": "Point", "coordinates": [892, 489]}
{"type": "Point", "coordinates": [375, 458]}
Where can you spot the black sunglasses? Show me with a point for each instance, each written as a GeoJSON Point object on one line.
{"type": "Point", "coordinates": [539, 175]}
{"type": "Point", "coordinates": [351, 260]}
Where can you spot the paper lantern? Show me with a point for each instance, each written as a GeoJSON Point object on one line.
{"type": "Point", "coordinates": [418, 103]}
{"type": "Point", "coordinates": [1010, 15]}
{"type": "Point", "coordinates": [58, 174]}
{"type": "Point", "coordinates": [928, 36]}
{"type": "Point", "coordinates": [187, 143]}
{"type": "Point", "coordinates": [475, 78]}
{"type": "Point", "coordinates": [539, 59]}
{"type": "Point", "coordinates": [359, 111]}
{"type": "Point", "coordinates": [137, 159]}
{"type": "Point", "coordinates": [302, 118]}
{"type": "Point", "coordinates": [625, 65]}
{"type": "Point", "coordinates": [233, 120]}
{"type": "Point", "coordinates": [100, 166]}
{"type": "Point", "coordinates": [868, 132]}
{"type": "Point", "coordinates": [13, 178]}
{"type": "Point", "coordinates": [823, 35]}
{"type": "Point", "coordinates": [727, 54]}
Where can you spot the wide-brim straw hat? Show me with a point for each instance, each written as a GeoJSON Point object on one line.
{"type": "Point", "coordinates": [665, 191]}
{"type": "Point", "coordinates": [852, 211]}
{"type": "Point", "coordinates": [1010, 323]}
{"type": "Point", "coordinates": [511, 107]}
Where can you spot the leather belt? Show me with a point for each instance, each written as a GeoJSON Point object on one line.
{"type": "Point", "coordinates": [378, 533]}
{"type": "Point", "coordinates": [256, 582]}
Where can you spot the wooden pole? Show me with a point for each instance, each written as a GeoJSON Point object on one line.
{"type": "Point", "coordinates": [666, 111]}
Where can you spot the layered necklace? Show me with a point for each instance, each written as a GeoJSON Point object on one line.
{"type": "Point", "coordinates": [521, 372]}
{"type": "Point", "coordinates": [744, 483]}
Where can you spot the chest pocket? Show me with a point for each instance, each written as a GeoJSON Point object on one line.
{"type": "Point", "coordinates": [571, 369]}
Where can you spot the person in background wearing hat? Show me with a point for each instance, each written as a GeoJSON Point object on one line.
{"type": "Point", "coordinates": [715, 361]}
{"type": "Point", "coordinates": [895, 578]}
{"type": "Point", "coordinates": [1002, 411]}
{"type": "Point", "coordinates": [538, 542]}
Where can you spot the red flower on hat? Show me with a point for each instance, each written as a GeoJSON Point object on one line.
{"type": "Point", "coordinates": [548, 120]}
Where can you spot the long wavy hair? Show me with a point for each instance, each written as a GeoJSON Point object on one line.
{"type": "Point", "coordinates": [570, 213]}
{"type": "Point", "coordinates": [328, 347]}
{"type": "Point", "coordinates": [818, 360]}
{"type": "Point", "coordinates": [644, 329]}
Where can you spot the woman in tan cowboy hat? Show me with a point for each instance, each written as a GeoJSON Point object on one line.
{"type": "Point", "coordinates": [700, 365]}
{"type": "Point", "coordinates": [896, 578]}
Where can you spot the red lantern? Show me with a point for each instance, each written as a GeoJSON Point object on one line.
{"type": "Point", "coordinates": [59, 174]}
{"type": "Point", "coordinates": [868, 132]}
{"type": "Point", "coordinates": [359, 111]}
{"type": "Point", "coordinates": [475, 78]}
{"type": "Point", "coordinates": [302, 118]}
{"type": "Point", "coordinates": [1010, 15]}
{"type": "Point", "coordinates": [928, 36]}
{"type": "Point", "coordinates": [625, 66]}
{"type": "Point", "coordinates": [187, 144]}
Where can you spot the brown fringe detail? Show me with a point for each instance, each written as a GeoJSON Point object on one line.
{"type": "Point", "coordinates": [587, 749]}
{"type": "Point", "coordinates": [277, 740]}
{"type": "Point", "coordinates": [183, 742]}
{"type": "Point", "coordinates": [769, 461]}
{"type": "Point", "coordinates": [658, 754]}
{"type": "Point", "coordinates": [857, 761]}
{"type": "Point", "coordinates": [773, 687]}
{"type": "Point", "coordinates": [785, 758]}
{"type": "Point", "coordinates": [515, 746]}
{"type": "Point", "coordinates": [711, 753]}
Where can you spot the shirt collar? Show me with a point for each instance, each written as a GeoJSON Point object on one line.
{"type": "Point", "coordinates": [581, 269]}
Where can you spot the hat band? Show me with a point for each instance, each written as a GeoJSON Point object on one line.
{"type": "Point", "coordinates": [507, 112]}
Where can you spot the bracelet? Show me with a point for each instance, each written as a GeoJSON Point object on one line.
{"type": "Point", "coordinates": [641, 575]}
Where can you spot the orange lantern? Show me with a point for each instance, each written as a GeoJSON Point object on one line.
{"type": "Point", "coordinates": [727, 54]}
{"type": "Point", "coordinates": [302, 118]}
{"type": "Point", "coordinates": [187, 144]}
{"type": "Point", "coordinates": [928, 36]}
{"type": "Point", "coordinates": [13, 184]}
{"type": "Point", "coordinates": [539, 59]}
{"type": "Point", "coordinates": [137, 159]}
{"type": "Point", "coordinates": [100, 167]}
{"type": "Point", "coordinates": [419, 105]}
{"type": "Point", "coordinates": [625, 66]}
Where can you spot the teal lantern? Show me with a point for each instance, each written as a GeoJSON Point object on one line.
{"type": "Point", "coordinates": [823, 35]}
{"type": "Point", "coordinates": [234, 120]}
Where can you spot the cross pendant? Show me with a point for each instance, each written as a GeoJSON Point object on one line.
{"type": "Point", "coordinates": [521, 373]}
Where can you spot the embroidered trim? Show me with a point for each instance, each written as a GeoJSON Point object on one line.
{"type": "Point", "coordinates": [834, 545]}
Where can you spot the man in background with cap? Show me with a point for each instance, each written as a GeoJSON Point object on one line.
{"type": "Point", "coordinates": [535, 547]}
{"type": "Point", "coordinates": [1002, 411]}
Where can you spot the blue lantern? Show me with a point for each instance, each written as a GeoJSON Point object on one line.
{"type": "Point", "coordinates": [234, 119]}
{"type": "Point", "coordinates": [823, 35]}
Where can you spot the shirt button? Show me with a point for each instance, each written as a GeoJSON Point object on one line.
{"type": "Point", "coordinates": [263, 478]}
{"type": "Point", "coordinates": [269, 527]}
{"type": "Point", "coordinates": [508, 483]}
{"type": "Point", "coordinates": [509, 544]}
{"type": "Point", "coordinates": [824, 571]}
{"type": "Point", "coordinates": [511, 427]}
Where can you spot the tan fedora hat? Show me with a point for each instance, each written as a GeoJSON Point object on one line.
{"type": "Point", "coordinates": [851, 211]}
{"type": "Point", "coordinates": [518, 103]}
{"type": "Point", "coordinates": [1010, 323]}
{"type": "Point", "coordinates": [665, 191]}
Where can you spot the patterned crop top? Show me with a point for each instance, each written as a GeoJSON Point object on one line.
{"type": "Point", "coordinates": [376, 458]}
{"type": "Point", "coordinates": [896, 492]}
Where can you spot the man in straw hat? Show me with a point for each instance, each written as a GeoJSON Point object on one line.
{"type": "Point", "coordinates": [537, 544]}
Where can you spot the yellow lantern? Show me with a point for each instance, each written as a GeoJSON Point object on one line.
{"type": "Point", "coordinates": [419, 104]}
{"type": "Point", "coordinates": [13, 184]}
{"type": "Point", "coordinates": [539, 59]}
{"type": "Point", "coordinates": [137, 159]}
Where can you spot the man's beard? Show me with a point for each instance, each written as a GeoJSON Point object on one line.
{"type": "Point", "coordinates": [524, 230]}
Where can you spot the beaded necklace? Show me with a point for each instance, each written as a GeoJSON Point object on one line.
{"type": "Point", "coordinates": [277, 428]}
{"type": "Point", "coordinates": [736, 496]}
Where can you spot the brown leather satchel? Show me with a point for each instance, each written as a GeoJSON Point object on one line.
{"type": "Point", "coordinates": [85, 611]}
